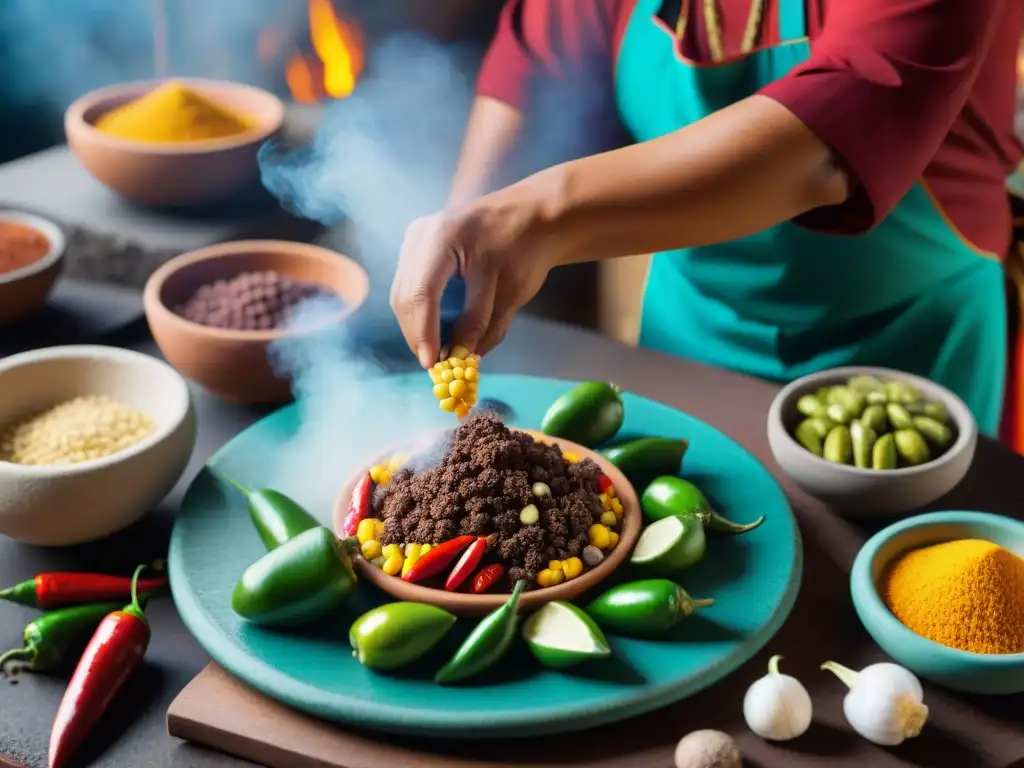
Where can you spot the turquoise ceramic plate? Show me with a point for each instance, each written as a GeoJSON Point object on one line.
{"type": "Point", "coordinates": [754, 579]}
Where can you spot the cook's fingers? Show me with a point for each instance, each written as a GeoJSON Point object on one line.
{"type": "Point", "coordinates": [472, 325]}
{"type": "Point", "coordinates": [501, 321]}
{"type": "Point", "coordinates": [416, 301]}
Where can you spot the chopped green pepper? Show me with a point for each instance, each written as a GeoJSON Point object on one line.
{"type": "Point", "coordinates": [487, 644]}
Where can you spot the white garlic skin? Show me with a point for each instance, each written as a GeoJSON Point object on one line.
{"type": "Point", "coordinates": [707, 749]}
{"type": "Point", "coordinates": [777, 707]}
{"type": "Point", "coordinates": [885, 705]}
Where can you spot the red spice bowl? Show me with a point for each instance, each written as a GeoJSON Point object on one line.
{"type": "Point", "coordinates": [31, 257]}
{"type": "Point", "coordinates": [467, 604]}
{"type": "Point", "coordinates": [234, 364]}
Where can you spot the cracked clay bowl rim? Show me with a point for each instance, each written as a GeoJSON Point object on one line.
{"type": "Point", "coordinates": [466, 604]}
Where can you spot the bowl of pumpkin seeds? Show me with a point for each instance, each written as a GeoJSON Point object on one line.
{"type": "Point", "coordinates": [871, 442]}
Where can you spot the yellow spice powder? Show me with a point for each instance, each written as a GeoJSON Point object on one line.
{"type": "Point", "coordinates": [966, 594]}
{"type": "Point", "coordinates": [82, 429]}
{"type": "Point", "coordinates": [172, 113]}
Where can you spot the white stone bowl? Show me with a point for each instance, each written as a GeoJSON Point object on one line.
{"type": "Point", "coordinates": [73, 504]}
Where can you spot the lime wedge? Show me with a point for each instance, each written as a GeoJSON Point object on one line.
{"type": "Point", "coordinates": [670, 544]}
{"type": "Point", "coordinates": [560, 635]}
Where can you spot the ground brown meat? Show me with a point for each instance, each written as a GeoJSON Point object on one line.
{"type": "Point", "coordinates": [482, 481]}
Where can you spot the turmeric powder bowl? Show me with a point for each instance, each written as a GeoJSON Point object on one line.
{"type": "Point", "coordinates": [961, 670]}
{"type": "Point", "coordinates": [160, 151]}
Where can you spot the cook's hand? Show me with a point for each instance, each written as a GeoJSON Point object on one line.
{"type": "Point", "coordinates": [495, 246]}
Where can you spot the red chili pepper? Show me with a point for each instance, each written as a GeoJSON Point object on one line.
{"type": "Point", "coordinates": [53, 590]}
{"type": "Point", "coordinates": [437, 559]}
{"type": "Point", "coordinates": [604, 483]}
{"type": "Point", "coordinates": [467, 564]}
{"type": "Point", "coordinates": [359, 506]}
{"type": "Point", "coordinates": [114, 652]}
{"type": "Point", "coordinates": [485, 579]}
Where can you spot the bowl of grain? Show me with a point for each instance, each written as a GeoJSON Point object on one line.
{"type": "Point", "coordinates": [91, 438]}
{"type": "Point", "coordinates": [563, 535]}
{"type": "Point", "coordinates": [180, 142]}
{"type": "Point", "coordinates": [216, 312]}
{"type": "Point", "coordinates": [31, 256]}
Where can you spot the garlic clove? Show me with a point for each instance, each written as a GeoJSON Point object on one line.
{"type": "Point", "coordinates": [885, 704]}
{"type": "Point", "coordinates": [777, 707]}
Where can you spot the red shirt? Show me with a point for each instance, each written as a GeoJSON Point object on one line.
{"type": "Point", "coordinates": [902, 90]}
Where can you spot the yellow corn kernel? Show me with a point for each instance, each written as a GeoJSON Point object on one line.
{"type": "Point", "coordinates": [375, 471]}
{"type": "Point", "coordinates": [461, 410]}
{"type": "Point", "coordinates": [458, 389]}
{"type": "Point", "coordinates": [599, 536]}
{"type": "Point", "coordinates": [572, 567]}
{"type": "Point", "coordinates": [445, 365]}
{"type": "Point", "coordinates": [425, 548]}
{"type": "Point", "coordinates": [470, 399]}
{"type": "Point", "coordinates": [385, 477]}
{"type": "Point", "coordinates": [473, 361]}
{"type": "Point", "coordinates": [555, 565]}
{"type": "Point", "coordinates": [572, 458]}
{"type": "Point", "coordinates": [379, 529]}
{"type": "Point", "coordinates": [396, 462]}
{"type": "Point", "coordinates": [370, 548]}
{"type": "Point", "coordinates": [448, 375]}
{"type": "Point", "coordinates": [549, 578]}
{"type": "Point", "coordinates": [392, 549]}
{"type": "Point", "coordinates": [609, 519]}
{"type": "Point", "coordinates": [471, 374]}
{"type": "Point", "coordinates": [460, 351]}
{"type": "Point", "coordinates": [617, 507]}
{"type": "Point", "coordinates": [613, 539]}
{"type": "Point", "coordinates": [611, 491]}
{"type": "Point", "coordinates": [435, 375]}
{"type": "Point", "coordinates": [413, 552]}
{"type": "Point", "coordinates": [367, 530]}
{"type": "Point", "coordinates": [393, 565]}
{"type": "Point", "coordinates": [448, 404]}
{"type": "Point", "coordinates": [459, 372]}
{"type": "Point", "coordinates": [441, 391]}
{"type": "Point", "coordinates": [605, 501]}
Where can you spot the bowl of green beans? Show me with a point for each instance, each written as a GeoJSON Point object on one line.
{"type": "Point", "coordinates": [871, 442]}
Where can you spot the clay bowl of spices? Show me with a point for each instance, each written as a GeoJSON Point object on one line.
{"type": "Point", "coordinates": [215, 312]}
{"type": "Point", "coordinates": [887, 442]}
{"type": "Point", "coordinates": [91, 438]}
{"type": "Point", "coordinates": [941, 593]}
{"type": "Point", "coordinates": [561, 504]}
{"type": "Point", "coordinates": [31, 256]}
{"type": "Point", "coordinates": [181, 142]}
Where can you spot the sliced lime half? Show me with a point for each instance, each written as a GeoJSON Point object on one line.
{"type": "Point", "coordinates": [671, 544]}
{"type": "Point", "coordinates": [560, 635]}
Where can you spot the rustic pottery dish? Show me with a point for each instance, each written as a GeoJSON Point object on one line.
{"type": "Point", "coordinates": [754, 579]}
{"type": "Point", "coordinates": [855, 492]}
{"type": "Point", "coordinates": [466, 604]}
{"type": "Point", "coordinates": [185, 174]}
{"type": "Point", "coordinates": [64, 505]}
{"type": "Point", "coordinates": [25, 290]}
{"type": "Point", "coordinates": [951, 667]}
{"type": "Point", "coordinates": [234, 364]}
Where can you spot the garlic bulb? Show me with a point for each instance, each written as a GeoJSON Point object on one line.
{"type": "Point", "coordinates": [777, 707]}
{"type": "Point", "coordinates": [885, 704]}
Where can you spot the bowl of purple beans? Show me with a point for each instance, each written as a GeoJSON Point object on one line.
{"type": "Point", "coordinates": [214, 312]}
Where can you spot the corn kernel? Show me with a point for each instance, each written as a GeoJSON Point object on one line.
{"type": "Point", "coordinates": [572, 458]}
{"type": "Point", "coordinates": [461, 410]}
{"type": "Point", "coordinates": [385, 477]}
{"type": "Point", "coordinates": [448, 404]}
{"type": "Point", "coordinates": [367, 530]}
{"type": "Point", "coordinates": [375, 471]}
{"type": "Point", "coordinates": [392, 549]}
{"type": "Point", "coordinates": [370, 549]}
{"type": "Point", "coordinates": [471, 374]}
{"type": "Point", "coordinates": [413, 552]}
{"type": "Point", "coordinates": [379, 529]}
{"type": "Point", "coordinates": [425, 548]}
{"type": "Point", "coordinates": [610, 490]}
{"type": "Point", "coordinates": [393, 565]}
{"type": "Point", "coordinates": [435, 375]}
{"type": "Point", "coordinates": [609, 519]}
{"type": "Point", "coordinates": [473, 386]}
{"type": "Point", "coordinates": [396, 462]}
{"type": "Point", "coordinates": [441, 391]}
{"type": "Point", "coordinates": [529, 514]}
{"type": "Point", "coordinates": [473, 361]}
{"type": "Point", "coordinates": [470, 399]}
{"type": "Point", "coordinates": [549, 578]}
{"type": "Point", "coordinates": [572, 567]}
{"type": "Point", "coordinates": [458, 389]}
{"type": "Point", "coordinates": [460, 351]}
{"type": "Point", "coordinates": [459, 372]}
{"type": "Point", "coordinates": [613, 539]}
{"type": "Point", "coordinates": [599, 536]}
{"type": "Point", "coordinates": [617, 507]}
{"type": "Point", "coordinates": [555, 565]}
{"type": "Point", "coordinates": [448, 375]}
{"type": "Point", "coordinates": [378, 561]}
{"type": "Point", "coordinates": [605, 501]}
{"type": "Point", "coordinates": [445, 366]}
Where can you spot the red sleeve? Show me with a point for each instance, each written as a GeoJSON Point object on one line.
{"type": "Point", "coordinates": [546, 39]}
{"type": "Point", "coordinates": [885, 81]}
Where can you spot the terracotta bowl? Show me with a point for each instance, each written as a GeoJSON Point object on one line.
{"type": "Point", "coordinates": [73, 504]}
{"type": "Point", "coordinates": [25, 290]}
{"type": "Point", "coordinates": [185, 174]}
{"type": "Point", "coordinates": [465, 604]}
{"type": "Point", "coordinates": [234, 364]}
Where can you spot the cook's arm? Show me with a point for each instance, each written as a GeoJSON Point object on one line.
{"type": "Point", "coordinates": [491, 134]}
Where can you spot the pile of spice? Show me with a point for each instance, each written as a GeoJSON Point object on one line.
{"type": "Point", "coordinates": [519, 508]}
{"type": "Point", "coordinates": [251, 301]}
{"type": "Point", "coordinates": [82, 429]}
{"type": "Point", "coordinates": [20, 246]}
{"type": "Point", "coordinates": [172, 113]}
{"type": "Point", "coordinates": [966, 594]}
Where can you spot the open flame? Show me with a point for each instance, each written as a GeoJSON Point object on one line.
{"type": "Point", "coordinates": [338, 60]}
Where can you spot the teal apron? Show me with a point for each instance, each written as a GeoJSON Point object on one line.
{"type": "Point", "coordinates": [910, 294]}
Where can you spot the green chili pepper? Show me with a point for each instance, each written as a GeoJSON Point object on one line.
{"type": "Point", "coordinates": [646, 458]}
{"type": "Point", "coordinates": [395, 634]}
{"type": "Point", "coordinates": [300, 581]}
{"type": "Point", "coordinates": [277, 517]}
{"type": "Point", "coordinates": [589, 414]}
{"type": "Point", "coordinates": [487, 644]}
{"type": "Point", "coordinates": [667, 496]}
{"type": "Point", "coordinates": [48, 638]}
{"type": "Point", "coordinates": [643, 608]}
